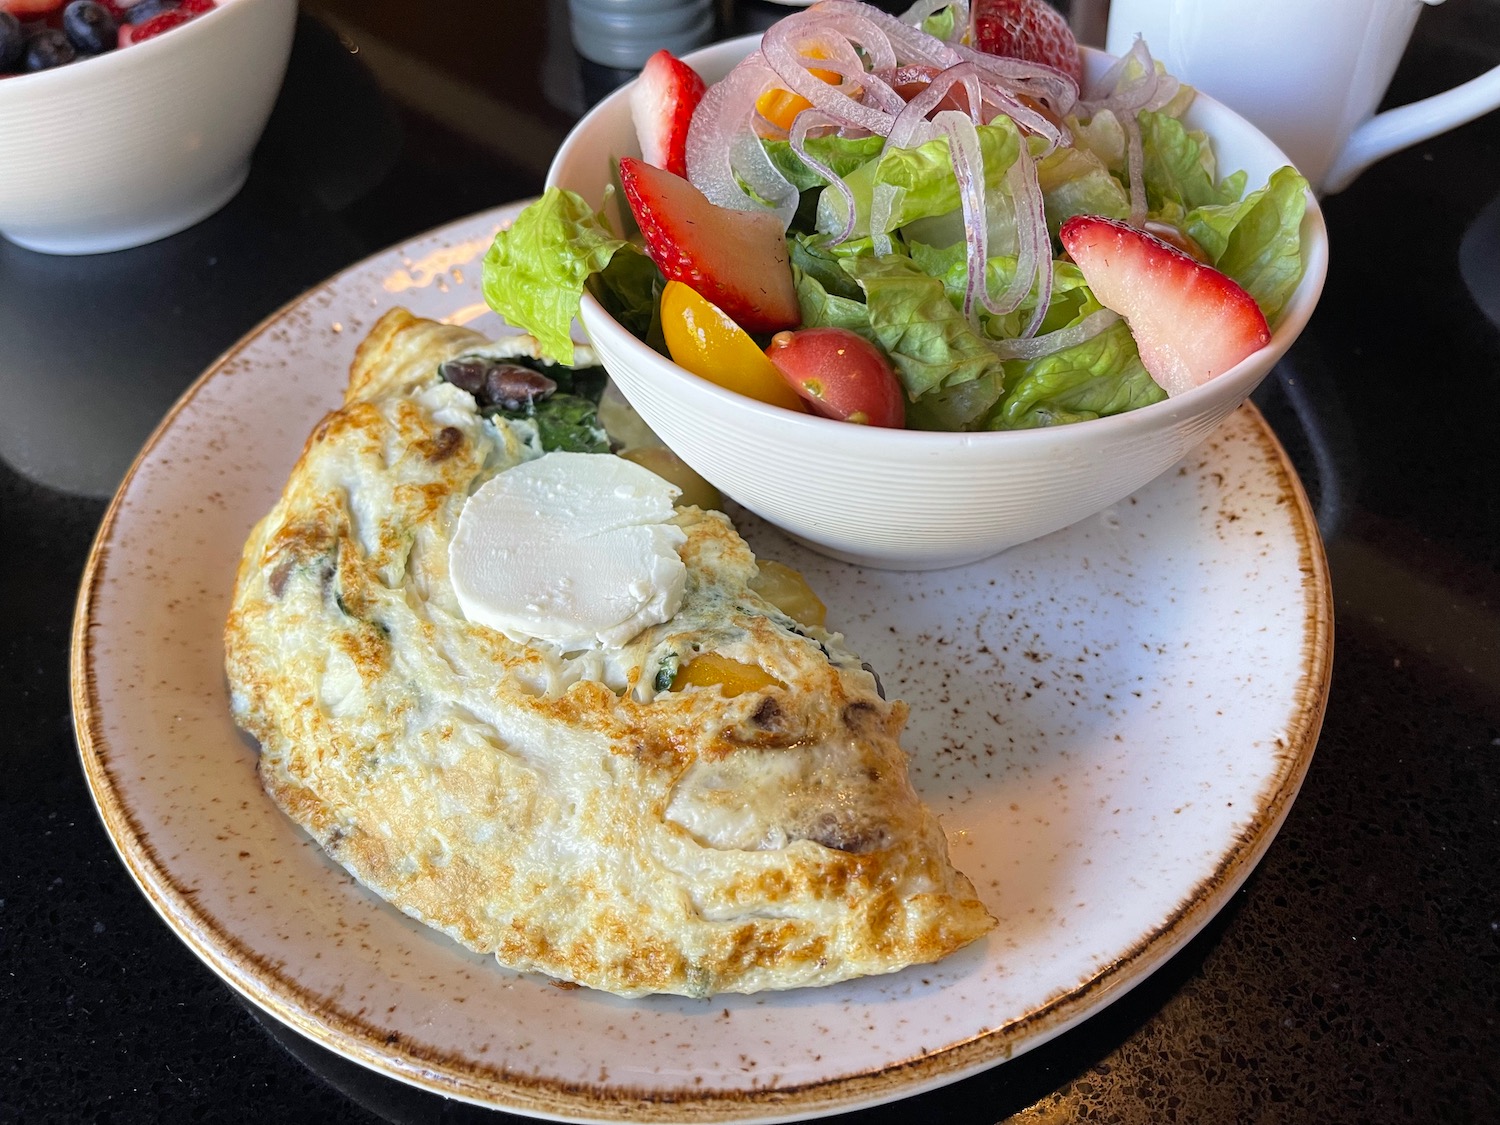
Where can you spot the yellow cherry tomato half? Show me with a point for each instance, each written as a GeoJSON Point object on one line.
{"type": "Point", "coordinates": [711, 345]}
{"type": "Point", "coordinates": [733, 677]}
{"type": "Point", "coordinates": [789, 592]}
{"type": "Point", "coordinates": [780, 106]}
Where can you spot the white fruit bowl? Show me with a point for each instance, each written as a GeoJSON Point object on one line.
{"type": "Point", "coordinates": [142, 142]}
{"type": "Point", "coordinates": [908, 499]}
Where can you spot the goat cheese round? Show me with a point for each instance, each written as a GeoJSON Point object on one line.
{"type": "Point", "coordinates": [571, 548]}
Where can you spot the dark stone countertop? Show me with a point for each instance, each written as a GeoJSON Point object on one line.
{"type": "Point", "coordinates": [1355, 977]}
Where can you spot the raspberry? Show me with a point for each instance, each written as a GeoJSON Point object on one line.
{"type": "Point", "coordinates": [158, 24]}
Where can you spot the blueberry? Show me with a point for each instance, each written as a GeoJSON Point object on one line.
{"type": "Point", "coordinates": [147, 9]}
{"type": "Point", "coordinates": [48, 48]}
{"type": "Point", "coordinates": [90, 26]}
{"type": "Point", "coordinates": [12, 41]}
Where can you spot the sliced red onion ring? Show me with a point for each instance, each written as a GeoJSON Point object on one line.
{"type": "Point", "coordinates": [1135, 159]}
{"type": "Point", "coordinates": [911, 43]}
{"type": "Point", "coordinates": [1042, 82]}
{"type": "Point", "coordinates": [919, 11]}
{"type": "Point", "coordinates": [783, 53]}
{"type": "Point", "coordinates": [968, 168]}
{"type": "Point", "coordinates": [754, 166]}
{"type": "Point", "coordinates": [865, 48]}
{"type": "Point", "coordinates": [1131, 85]}
{"type": "Point", "coordinates": [1129, 82]}
{"type": "Point", "coordinates": [726, 112]}
{"type": "Point", "coordinates": [804, 123]}
{"type": "Point", "coordinates": [1037, 346]}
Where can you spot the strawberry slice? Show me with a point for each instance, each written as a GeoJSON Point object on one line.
{"type": "Point", "coordinates": [1026, 29]}
{"type": "Point", "coordinates": [661, 105]}
{"type": "Point", "coordinates": [735, 259]}
{"type": "Point", "coordinates": [1190, 322]}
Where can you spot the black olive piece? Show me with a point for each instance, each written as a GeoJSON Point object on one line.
{"type": "Point", "coordinates": [48, 48]}
{"type": "Point", "coordinates": [90, 27]}
{"type": "Point", "coordinates": [12, 41]}
{"type": "Point", "coordinates": [466, 373]}
{"type": "Point", "coordinates": [513, 387]}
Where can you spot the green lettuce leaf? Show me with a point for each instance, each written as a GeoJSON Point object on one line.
{"type": "Point", "coordinates": [1102, 135]}
{"type": "Point", "coordinates": [812, 255]}
{"type": "Point", "coordinates": [1072, 300]}
{"type": "Point", "coordinates": [931, 345]}
{"type": "Point", "coordinates": [841, 154]}
{"type": "Point", "coordinates": [1178, 168]}
{"type": "Point", "coordinates": [923, 177]}
{"type": "Point", "coordinates": [1076, 181]}
{"type": "Point", "coordinates": [1094, 379]}
{"type": "Point", "coordinates": [822, 309]}
{"type": "Point", "coordinates": [959, 407]}
{"type": "Point", "coordinates": [942, 23]}
{"type": "Point", "coordinates": [629, 288]}
{"type": "Point", "coordinates": [1257, 241]}
{"type": "Point", "coordinates": [535, 271]}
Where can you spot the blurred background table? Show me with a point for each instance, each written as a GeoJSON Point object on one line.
{"type": "Point", "coordinates": [1356, 976]}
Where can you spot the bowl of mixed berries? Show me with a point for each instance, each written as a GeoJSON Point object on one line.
{"type": "Point", "coordinates": [42, 34]}
{"type": "Point", "coordinates": [124, 121]}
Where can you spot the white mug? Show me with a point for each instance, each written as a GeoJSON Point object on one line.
{"type": "Point", "coordinates": [1308, 74]}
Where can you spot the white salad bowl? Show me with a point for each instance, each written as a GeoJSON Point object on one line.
{"type": "Point", "coordinates": [908, 499]}
{"type": "Point", "coordinates": [139, 143]}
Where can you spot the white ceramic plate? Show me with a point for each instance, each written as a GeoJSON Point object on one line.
{"type": "Point", "coordinates": [1112, 722]}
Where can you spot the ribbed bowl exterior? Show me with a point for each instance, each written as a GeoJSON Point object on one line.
{"type": "Point", "coordinates": [138, 143]}
{"type": "Point", "coordinates": [903, 499]}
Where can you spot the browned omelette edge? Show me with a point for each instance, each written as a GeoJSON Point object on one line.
{"type": "Point", "coordinates": [265, 983]}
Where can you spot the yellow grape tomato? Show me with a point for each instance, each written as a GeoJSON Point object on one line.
{"type": "Point", "coordinates": [703, 340]}
{"type": "Point", "coordinates": [780, 106]}
{"type": "Point", "coordinates": [733, 677]}
{"type": "Point", "coordinates": [789, 592]}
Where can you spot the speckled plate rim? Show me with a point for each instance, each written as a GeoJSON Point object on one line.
{"type": "Point", "coordinates": [263, 982]}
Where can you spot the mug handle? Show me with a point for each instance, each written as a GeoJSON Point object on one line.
{"type": "Point", "coordinates": [1398, 128]}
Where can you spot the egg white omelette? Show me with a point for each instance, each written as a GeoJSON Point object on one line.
{"type": "Point", "coordinates": [719, 804]}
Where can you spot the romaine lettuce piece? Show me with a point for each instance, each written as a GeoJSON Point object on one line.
{"type": "Point", "coordinates": [1104, 136]}
{"type": "Point", "coordinates": [1094, 379]}
{"type": "Point", "coordinates": [1178, 168]}
{"type": "Point", "coordinates": [923, 178]}
{"type": "Point", "coordinates": [841, 154]}
{"type": "Point", "coordinates": [958, 407]}
{"type": "Point", "coordinates": [1257, 241]}
{"type": "Point", "coordinates": [931, 345]}
{"type": "Point", "coordinates": [813, 256]}
{"type": "Point", "coordinates": [629, 288]}
{"type": "Point", "coordinates": [535, 271]}
{"type": "Point", "coordinates": [1072, 300]}
{"type": "Point", "coordinates": [1075, 181]}
{"type": "Point", "coordinates": [822, 309]}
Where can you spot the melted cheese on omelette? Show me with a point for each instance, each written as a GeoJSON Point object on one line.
{"type": "Point", "coordinates": [594, 815]}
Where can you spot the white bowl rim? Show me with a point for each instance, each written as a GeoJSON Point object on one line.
{"type": "Point", "coordinates": [96, 64]}
{"type": "Point", "coordinates": [1237, 382]}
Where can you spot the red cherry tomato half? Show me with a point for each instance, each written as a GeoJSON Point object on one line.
{"type": "Point", "coordinates": [841, 375]}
